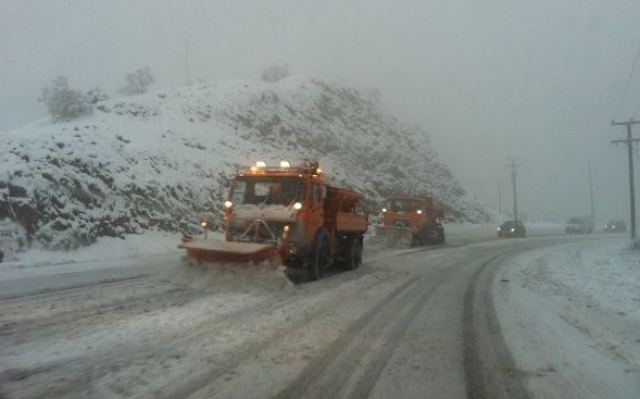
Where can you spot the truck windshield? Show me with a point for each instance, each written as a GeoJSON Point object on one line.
{"type": "Point", "coordinates": [404, 205]}
{"type": "Point", "coordinates": [267, 190]}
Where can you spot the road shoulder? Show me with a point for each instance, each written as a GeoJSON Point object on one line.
{"type": "Point", "coordinates": [560, 312]}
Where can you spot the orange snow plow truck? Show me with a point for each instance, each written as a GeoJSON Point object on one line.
{"type": "Point", "coordinates": [287, 214]}
{"type": "Point", "coordinates": [412, 221]}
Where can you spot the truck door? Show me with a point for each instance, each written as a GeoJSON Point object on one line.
{"type": "Point", "coordinates": [316, 218]}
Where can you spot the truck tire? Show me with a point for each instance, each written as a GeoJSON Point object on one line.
{"type": "Point", "coordinates": [353, 259]}
{"type": "Point", "coordinates": [441, 238]}
{"type": "Point", "coordinates": [421, 237]}
{"type": "Point", "coordinates": [319, 258]}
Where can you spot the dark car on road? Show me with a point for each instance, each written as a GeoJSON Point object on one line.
{"type": "Point", "coordinates": [512, 229]}
{"type": "Point", "coordinates": [615, 226]}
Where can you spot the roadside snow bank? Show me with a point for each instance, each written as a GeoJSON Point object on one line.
{"type": "Point", "coordinates": [571, 316]}
{"type": "Point", "coordinates": [105, 248]}
{"type": "Point", "coordinates": [605, 273]}
{"type": "Point", "coordinates": [106, 259]}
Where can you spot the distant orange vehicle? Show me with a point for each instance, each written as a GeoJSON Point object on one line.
{"type": "Point", "coordinates": [414, 219]}
{"type": "Point", "coordinates": [291, 213]}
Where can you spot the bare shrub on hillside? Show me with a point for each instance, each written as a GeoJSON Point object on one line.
{"type": "Point", "coordinates": [62, 102]}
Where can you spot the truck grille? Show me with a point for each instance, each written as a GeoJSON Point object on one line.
{"type": "Point", "coordinates": [276, 227]}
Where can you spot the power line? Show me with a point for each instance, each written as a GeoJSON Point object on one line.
{"type": "Point", "coordinates": [626, 87]}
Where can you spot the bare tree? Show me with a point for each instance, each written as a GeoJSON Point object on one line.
{"type": "Point", "coordinates": [275, 73]}
{"type": "Point", "coordinates": [62, 102]}
{"type": "Point", "coordinates": [137, 82]}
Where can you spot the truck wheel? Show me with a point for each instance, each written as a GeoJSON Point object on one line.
{"type": "Point", "coordinates": [354, 257]}
{"type": "Point", "coordinates": [318, 259]}
{"type": "Point", "coordinates": [421, 237]}
{"type": "Point", "coordinates": [441, 238]}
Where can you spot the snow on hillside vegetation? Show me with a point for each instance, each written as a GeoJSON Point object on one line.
{"type": "Point", "coordinates": [160, 160]}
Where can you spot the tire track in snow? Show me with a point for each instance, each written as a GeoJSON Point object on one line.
{"type": "Point", "coordinates": [86, 370]}
{"type": "Point", "coordinates": [490, 370]}
{"type": "Point", "coordinates": [250, 349]}
{"type": "Point", "coordinates": [49, 292]}
{"type": "Point", "coordinates": [332, 374]}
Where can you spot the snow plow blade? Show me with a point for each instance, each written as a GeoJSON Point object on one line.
{"type": "Point", "coordinates": [396, 236]}
{"type": "Point", "coordinates": [228, 251]}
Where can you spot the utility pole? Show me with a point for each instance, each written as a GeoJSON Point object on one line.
{"type": "Point", "coordinates": [499, 197]}
{"type": "Point", "coordinates": [186, 62]}
{"type": "Point", "coordinates": [514, 175]}
{"type": "Point", "coordinates": [629, 142]}
{"type": "Point", "coordinates": [593, 212]}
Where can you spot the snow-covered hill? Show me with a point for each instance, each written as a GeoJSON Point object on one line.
{"type": "Point", "coordinates": [159, 160]}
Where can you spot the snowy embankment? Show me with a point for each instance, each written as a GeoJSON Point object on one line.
{"type": "Point", "coordinates": [105, 248]}
{"type": "Point", "coordinates": [161, 160]}
{"type": "Point", "coordinates": [571, 315]}
{"type": "Point", "coordinates": [107, 253]}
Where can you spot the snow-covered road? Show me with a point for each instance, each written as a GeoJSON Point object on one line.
{"type": "Point", "coordinates": [408, 323]}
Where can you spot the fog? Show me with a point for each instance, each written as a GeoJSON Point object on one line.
{"type": "Point", "coordinates": [536, 80]}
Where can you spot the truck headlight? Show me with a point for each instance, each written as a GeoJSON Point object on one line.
{"type": "Point", "coordinates": [384, 210]}
{"type": "Point", "coordinates": [228, 204]}
{"type": "Point", "coordinates": [297, 206]}
{"type": "Point", "coordinates": [419, 211]}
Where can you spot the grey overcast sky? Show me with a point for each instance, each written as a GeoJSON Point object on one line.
{"type": "Point", "coordinates": [538, 80]}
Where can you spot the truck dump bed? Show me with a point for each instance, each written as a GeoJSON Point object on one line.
{"type": "Point", "coordinates": [340, 210]}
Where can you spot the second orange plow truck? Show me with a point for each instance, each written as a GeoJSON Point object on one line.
{"type": "Point", "coordinates": [288, 214]}
{"type": "Point", "coordinates": [411, 221]}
